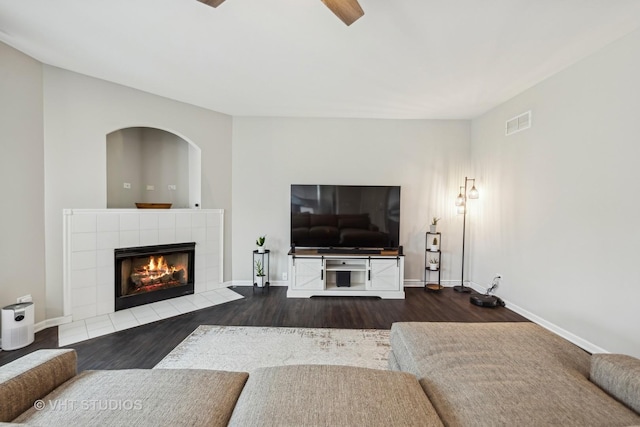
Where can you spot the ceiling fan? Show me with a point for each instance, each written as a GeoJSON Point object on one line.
{"type": "Point", "coordinates": [349, 11]}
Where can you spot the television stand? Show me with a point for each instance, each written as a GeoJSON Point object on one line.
{"type": "Point", "coordinates": [315, 272]}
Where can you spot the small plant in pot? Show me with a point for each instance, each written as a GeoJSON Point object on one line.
{"type": "Point", "coordinates": [434, 244]}
{"type": "Point", "coordinates": [434, 224]}
{"type": "Point", "coordinates": [433, 263]}
{"type": "Point", "coordinates": [259, 274]}
{"type": "Point", "coordinates": [260, 242]}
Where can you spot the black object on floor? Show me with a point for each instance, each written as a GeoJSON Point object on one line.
{"type": "Point", "coordinates": [486, 301]}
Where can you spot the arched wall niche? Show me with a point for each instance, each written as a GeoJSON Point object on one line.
{"type": "Point", "coordinates": [152, 165]}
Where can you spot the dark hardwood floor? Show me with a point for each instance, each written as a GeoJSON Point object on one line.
{"type": "Point", "coordinates": [144, 346]}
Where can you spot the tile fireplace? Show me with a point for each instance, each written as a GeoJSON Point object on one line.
{"type": "Point", "coordinates": [91, 236]}
{"type": "Point", "coordinates": [153, 273]}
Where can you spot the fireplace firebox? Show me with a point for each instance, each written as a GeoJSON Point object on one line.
{"type": "Point", "coordinates": [153, 273]}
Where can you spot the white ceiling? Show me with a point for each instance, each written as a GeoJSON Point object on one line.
{"type": "Point", "coordinates": [407, 59]}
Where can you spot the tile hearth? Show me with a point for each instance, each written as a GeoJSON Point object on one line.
{"type": "Point", "coordinates": [93, 327]}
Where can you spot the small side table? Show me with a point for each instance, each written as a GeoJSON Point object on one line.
{"type": "Point", "coordinates": [261, 262]}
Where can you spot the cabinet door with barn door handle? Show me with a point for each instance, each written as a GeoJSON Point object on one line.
{"type": "Point", "coordinates": [384, 274]}
{"type": "Point", "coordinates": [307, 274]}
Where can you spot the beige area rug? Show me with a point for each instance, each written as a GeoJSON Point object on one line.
{"type": "Point", "coordinates": [245, 348]}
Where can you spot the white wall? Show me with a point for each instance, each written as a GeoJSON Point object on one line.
{"type": "Point", "coordinates": [79, 112]}
{"type": "Point", "coordinates": [558, 213]}
{"type": "Point", "coordinates": [124, 164]}
{"type": "Point", "coordinates": [22, 175]}
{"type": "Point", "coordinates": [166, 159]}
{"type": "Point", "coordinates": [427, 158]}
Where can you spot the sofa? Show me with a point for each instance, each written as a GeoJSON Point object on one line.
{"type": "Point", "coordinates": [336, 230]}
{"type": "Point", "coordinates": [453, 374]}
{"type": "Point", "coordinates": [43, 388]}
{"type": "Point", "coordinates": [515, 374]}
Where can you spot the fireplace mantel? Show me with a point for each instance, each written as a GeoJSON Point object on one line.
{"type": "Point", "coordinates": [91, 235]}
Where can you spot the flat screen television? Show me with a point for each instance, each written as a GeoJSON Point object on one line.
{"type": "Point", "coordinates": [345, 216]}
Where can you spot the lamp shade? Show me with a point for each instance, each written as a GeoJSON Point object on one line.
{"type": "Point", "coordinates": [473, 193]}
{"type": "Point", "coordinates": [460, 198]}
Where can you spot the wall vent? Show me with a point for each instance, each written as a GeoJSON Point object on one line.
{"type": "Point", "coordinates": [518, 123]}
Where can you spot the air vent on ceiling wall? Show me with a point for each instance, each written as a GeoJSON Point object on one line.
{"type": "Point", "coordinates": [518, 123]}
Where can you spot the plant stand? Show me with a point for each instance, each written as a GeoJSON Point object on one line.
{"type": "Point", "coordinates": [429, 275]}
{"type": "Point", "coordinates": [263, 257]}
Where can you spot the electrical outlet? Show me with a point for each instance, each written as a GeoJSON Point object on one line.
{"type": "Point", "coordinates": [150, 187]}
{"type": "Point", "coordinates": [26, 298]}
{"type": "Point", "coordinates": [127, 185]}
{"type": "Point", "coordinates": [172, 186]}
{"type": "Point", "coordinates": [285, 276]}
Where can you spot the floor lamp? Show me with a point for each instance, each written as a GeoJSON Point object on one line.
{"type": "Point", "coordinates": [461, 203]}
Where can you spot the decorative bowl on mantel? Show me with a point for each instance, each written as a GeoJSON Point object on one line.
{"type": "Point", "coordinates": [153, 205]}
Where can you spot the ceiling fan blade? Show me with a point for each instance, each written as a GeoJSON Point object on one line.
{"type": "Point", "coordinates": [349, 11]}
{"type": "Point", "coordinates": [213, 3]}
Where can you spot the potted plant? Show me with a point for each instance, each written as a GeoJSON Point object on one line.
{"type": "Point", "coordinates": [434, 224]}
{"type": "Point", "coordinates": [259, 274]}
{"type": "Point", "coordinates": [434, 245]}
{"type": "Point", "coordinates": [260, 242]}
{"type": "Point", "coordinates": [433, 263]}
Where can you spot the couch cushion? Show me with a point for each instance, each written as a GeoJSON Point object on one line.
{"type": "Point", "coordinates": [504, 373]}
{"type": "Point", "coordinates": [32, 377]}
{"type": "Point", "coordinates": [141, 397]}
{"type": "Point", "coordinates": [320, 395]}
{"type": "Point", "coordinates": [393, 363]}
{"type": "Point", "coordinates": [618, 375]}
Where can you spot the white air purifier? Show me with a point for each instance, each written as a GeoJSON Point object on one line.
{"type": "Point", "coordinates": [17, 325]}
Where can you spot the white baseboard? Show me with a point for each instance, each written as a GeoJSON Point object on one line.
{"type": "Point", "coordinates": [407, 283]}
{"type": "Point", "coordinates": [56, 321]}
{"type": "Point", "coordinates": [410, 283]}
{"type": "Point", "coordinates": [250, 283]}
{"type": "Point", "coordinates": [580, 342]}
{"type": "Point", "coordinates": [415, 283]}
{"type": "Point", "coordinates": [476, 287]}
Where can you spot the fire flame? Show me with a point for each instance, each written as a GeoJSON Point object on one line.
{"type": "Point", "coordinates": [156, 273]}
{"type": "Point", "coordinates": [158, 269]}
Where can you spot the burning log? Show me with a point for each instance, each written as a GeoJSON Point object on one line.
{"type": "Point", "coordinates": [149, 273]}
{"type": "Point", "coordinates": [180, 275]}
{"type": "Point", "coordinates": [159, 272]}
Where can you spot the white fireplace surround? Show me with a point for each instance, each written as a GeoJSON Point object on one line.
{"type": "Point", "coordinates": [91, 235]}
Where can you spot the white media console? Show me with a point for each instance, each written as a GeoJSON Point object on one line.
{"type": "Point", "coordinates": [334, 274]}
